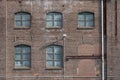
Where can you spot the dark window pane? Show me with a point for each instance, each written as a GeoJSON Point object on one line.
{"type": "Point", "coordinates": [26, 23]}
{"type": "Point", "coordinates": [18, 49]}
{"type": "Point", "coordinates": [26, 63]}
{"type": "Point", "coordinates": [49, 24]}
{"type": "Point", "coordinates": [90, 23]}
{"type": "Point", "coordinates": [81, 23]}
{"type": "Point", "coordinates": [58, 17]}
{"type": "Point", "coordinates": [18, 57]}
{"type": "Point", "coordinates": [25, 50]}
{"type": "Point", "coordinates": [89, 17]}
{"type": "Point", "coordinates": [50, 56]}
{"type": "Point", "coordinates": [26, 57]}
{"type": "Point", "coordinates": [17, 17]}
{"type": "Point", "coordinates": [50, 50]}
{"type": "Point", "coordinates": [49, 17]}
{"type": "Point", "coordinates": [81, 17]}
{"type": "Point", "coordinates": [57, 50]}
{"type": "Point", "coordinates": [50, 64]}
{"type": "Point", "coordinates": [58, 63]}
{"type": "Point", "coordinates": [57, 57]}
{"type": "Point", "coordinates": [26, 17]}
{"type": "Point", "coordinates": [18, 63]}
{"type": "Point", "coordinates": [57, 23]}
{"type": "Point", "coordinates": [18, 23]}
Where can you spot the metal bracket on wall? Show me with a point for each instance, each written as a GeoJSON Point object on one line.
{"type": "Point", "coordinates": [83, 57]}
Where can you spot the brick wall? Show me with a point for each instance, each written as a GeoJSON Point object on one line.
{"type": "Point", "coordinates": [2, 41]}
{"type": "Point", "coordinates": [79, 42]}
{"type": "Point", "coordinates": [113, 42]}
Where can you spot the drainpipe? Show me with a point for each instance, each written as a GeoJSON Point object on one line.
{"type": "Point", "coordinates": [64, 38]}
{"type": "Point", "coordinates": [6, 26]}
{"type": "Point", "coordinates": [116, 21]}
{"type": "Point", "coordinates": [102, 31]}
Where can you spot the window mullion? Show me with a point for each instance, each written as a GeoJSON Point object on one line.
{"type": "Point", "coordinates": [22, 56]}
{"type": "Point", "coordinates": [85, 21]}
{"type": "Point", "coordinates": [21, 20]}
{"type": "Point", "coordinates": [54, 56]}
{"type": "Point", "coordinates": [53, 20]}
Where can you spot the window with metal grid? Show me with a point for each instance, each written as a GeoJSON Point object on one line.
{"type": "Point", "coordinates": [22, 56]}
{"type": "Point", "coordinates": [22, 19]}
{"type": "Point", "coordinates": [85, 20]}
{"type": "Point", "coordinates": [54, 20]}
{"type": "Point", "coordinates": [54, 56]}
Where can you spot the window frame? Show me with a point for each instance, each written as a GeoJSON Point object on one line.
{"type": "Point", "coordinates": [21, 20]}
{"type": "Point", "coordinates": [54, 60]}
{"type": "Point", "coordinates": [53, 20]}
{"type": "Point", "coordinates": [85, 21]}
{"type": "Point", "coordinates": [22, 47]}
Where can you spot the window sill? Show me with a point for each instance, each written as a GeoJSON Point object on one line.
{"type": "Point", "coordinates": [21, 27]}
{"type": "Point", "coordinates": [22, 68]}
{"type": "Point", "coordinates": [54, 68]}
{"type": "Point", "coordinates": [85, 28]}
{"type": "Point", "coordinates": [49, 28]}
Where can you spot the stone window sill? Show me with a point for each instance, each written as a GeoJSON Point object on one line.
{"type": "Point", "coordinates": [21, 27]}
{"type": "Point", "coordinates": [22, 68]}
{"type": "Point", "coordinates": [58, 27]}
{"type": "Point", "coordinates": [54, 68]}
{"type": "Point", "coordinates": [79, 28]}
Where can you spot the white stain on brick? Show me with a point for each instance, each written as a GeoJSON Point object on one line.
{"type": "Point", "coordinates": [28, 2]}
{"type": "Point", "coordinates": [38, 2]}
{"type": "Point", "coordinates": [65, 1]}
{"type": "Point", "coordinates": [47, 4]}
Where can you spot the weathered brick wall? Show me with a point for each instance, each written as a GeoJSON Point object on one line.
{"type": "Point", "coordinates": [79, 42]}
{"type": "Point", "coordinates": [2, 41]}
{"type": "Point", "coordinates": [113, 37]}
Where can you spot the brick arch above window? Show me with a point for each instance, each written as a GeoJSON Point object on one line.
{"type": "Point", "coordinates": [54, 12]}
{"type": "Point", "coordinates": [22, 45]}
{"type": "Point", "coordinates": [59, 45]}
{"type": "Point", "coordinates": [86, 12]}
{"type": "Point", "coordinates": [22, 12]}
{"type": "Point", "coordinates": [19, 42]}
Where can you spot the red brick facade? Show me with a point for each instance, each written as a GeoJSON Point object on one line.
{"type": "Point", "coordinates": [82, 46]}
{"type": "Point", "coordinates": [113, 39]}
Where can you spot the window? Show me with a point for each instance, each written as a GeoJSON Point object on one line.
{"type": "Point", "coordinates": [54, 56]}
{"type": "Point", "coordinates": [54, 20]}
{"type": "Point", "coordinates": [22, 19]}
{"type": "Point", "coordinates": [85, 20]}
{"type": "Point", "coordinates": [22, 56]}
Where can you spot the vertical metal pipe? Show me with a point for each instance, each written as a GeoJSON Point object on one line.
{"type": "Point", "coordinates": [102, 31]}
{"type": "Point", "coordinates": [116, 20]}
{"type": "Point", "coordinates": [64, 36]}
{"type": "Point", "coordinates": [6, 25]}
